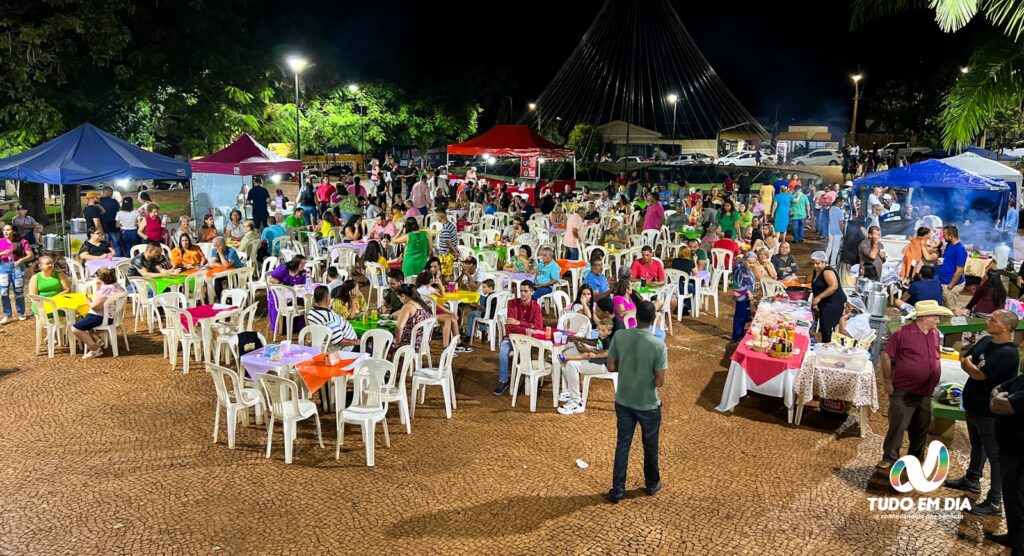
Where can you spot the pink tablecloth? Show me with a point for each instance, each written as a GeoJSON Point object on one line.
{"type": "Point", "coordinates": [761, 367]}
{"type": "Point", "coordinates": [200, 312]}
{"type": "Point", "coordinates": [93, 265]}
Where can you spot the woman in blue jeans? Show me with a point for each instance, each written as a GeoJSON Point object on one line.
{"type": "Point", "coordinates": [14, 253]}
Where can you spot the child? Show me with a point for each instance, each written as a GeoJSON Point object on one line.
{"type": "Point", "coordinates": [597, 355]}
{"type": "Point", "coordinates": [334, 277]}
{"type": "Point", "coordinates": [477, 310]}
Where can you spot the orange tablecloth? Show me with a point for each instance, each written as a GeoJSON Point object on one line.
{"type": "Point", "coordinates": [566, 264]}
{"type": "Point", "coordinates": [316, 372]}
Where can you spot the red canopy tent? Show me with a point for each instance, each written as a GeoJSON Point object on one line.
{"type": "Point", "coordinates": [517, 141]}
{"type": "Point", "coordinates": [246, 157]}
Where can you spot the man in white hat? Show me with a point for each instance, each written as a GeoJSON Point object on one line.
{"type": "Point", "coordinates": [911, 370]}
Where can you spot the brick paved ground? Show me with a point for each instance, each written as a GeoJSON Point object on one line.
{"type": "Point", "coordinates": [115, 456]}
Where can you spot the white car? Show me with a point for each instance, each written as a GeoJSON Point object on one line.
{"type": "Point", "coordinates": [819, 157]}
{"type": "Point", "coordinates": [740, 158]}
{"type": "Point", "coordinates": [689, 159]}
{"type": "Point", "coordinates": [632, 159]}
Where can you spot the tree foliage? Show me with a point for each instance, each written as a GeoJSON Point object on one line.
{"type": "Point", "coordinates": [586, 140]}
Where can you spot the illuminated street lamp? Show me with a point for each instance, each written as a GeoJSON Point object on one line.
{"type": "Point", "coordinates": [353, 88]}
{"type": "Point", "coordinates": [674, 99]}
{"type": "Point", "coordinates": [297, 64]}
{"type": "Point", "coordinates": [856, 99]}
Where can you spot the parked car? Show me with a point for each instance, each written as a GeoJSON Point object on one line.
{"type": "Point", "coordinates": [632, 159]}
{"type": "Point", "coordinates": [819, 157]}
{"type": "Point", "coordinates": [689, 159]}
{"type": "Point", "coordinates": [902, 148]}
{"type": "Point", "coordinates": [740, 158]}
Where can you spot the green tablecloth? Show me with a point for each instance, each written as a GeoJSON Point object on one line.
{"type": "Point", "coordinates": [641, 204]}
{"type": "Point", "coordinates": [973, 325]}
{"type": "Point", "coordinates": [694, 234]}
{"type": "Point", "coordinates": [501, 251]}
{"type": "Point", "coordinates": [164, 282]}
{"type": "Point", "coordinates": [943, 411]}
{"type": "Point", "coordinates": [361, 327]}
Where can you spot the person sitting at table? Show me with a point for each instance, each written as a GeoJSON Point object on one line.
{"type": "Point", "coordinates": [382, 226]}
{"type": "Point", "coordinates": [770, 239]}
{"type": "Point", "coordinates": [855, 322]}
{"type": "Point", "coordinates": [413, 311]}
{"type": "Point", "coordinates": [615, 235]}
{"type": "Point", "coordinates": [296, 220]}
{"type": "Point", "coordinates": [624, 302]}
{"type": "Point", "coordinates": [208, 230]}
{"type": "Point", "coordinates": [523, 316]}
{"type": "Point", "coordinates": [349, 302]}
{"type": "Point", "coordinates": [437, 279]}
{"type": "Point", "coordinates": [762, 266]}
{"type": "Point", "coordinates": [785, 263]}
{"type": "Point", "coordinates": [186, 255]}
{"type": "Point", "coordinates": [343, 336]}
{"type": "Point", "coordinates": [472, 311]}
{"type": "Point", "coordinates": [558, 218]}
{"type": "Point", "coordinates": [523, 261]}
{"type": "Point", "coordinates": [272, 232]}
{"type": "Point", "coordinates": [522, 235]}
{"type": "Point", "coordinates": [291, 273]}
{"type": "Point", "coordinates": [646, 268]}
{"type": "Point", "coordinates": [712, 233]}
{"type": "Point", "coordinates": [354, 228]}
{"type": "Point", "coordinates": [48, 282]}
{"type": "Point", "coordinates": [223, 256]}
{"type": "Point", "coordinates": [917, 253]}
{"type": "Point", "coordinates": [96, 246]}
{"type": "Point", "coordinates": [184, 227]}
{"type": "Point", "coordinates": [548, 273]}
{"type": "Point", "coordinates": [584, 302]}
{"type": "Point", "coordinates": [988, 297]}
{"type": "Point", "coordinates": [927, 287]}
{"type": "Point", "coordinates": [592, 215]}
{"type": "Point", "coordinates": [728, 243]}
{"type": "Point", "coordinates": [410, 210]}
{"type": "Point", "coordinates": [392, 303]}
{"type": "Point", "coordinates": [595, 279]}
{"type": "Point", "coordinates": [417, 247]}
{"type": "Point", "coordinates": [107, 286]}
{"type": "Point", "coordinates": [744, 222]}
{"type": "Point", "coordinates": [234, 230]}
{"type": "Point", "coordinates": [250, 237]}
{"type": "Point", "coordinates": [429, 285]}
{"type": "Point", "coordinates": [151, 263]}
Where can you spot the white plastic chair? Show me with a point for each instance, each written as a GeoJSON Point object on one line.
{"type": "Point", "coordinates": [423, 332]}
{"type": "Point", "coordinates": [665, 294]}
{"type": "Point", "coordinates": [254, 286]}
{"type": "Point", "coordinates": [394, 384]}
{"type": "Point", "coordinates": [379, 340]}
{"type": "Point", "coordinates": [650, 238]}
{"type": "Point", "coordinates": [527, 367]}
{"type": "Point", "coordinates": [234, 399]}
{"type": "Point", "coordinates": [441, 375]}
{"type": "Point", "coordinates": [193, 289]}
{"type": "Point", "coordinates": [708, 292]}
{"type": "Point", "coordinates": [496, 306]}
{"type": "Point", "coordinates": [49, 320]}
{"type": "Point", "coordinates": [378, 278]}
{"type": "Point", "coordinates": [286, 301]}
{"type": "Point", "coordinates": [235, 297]}
{"type": "Point", "coordinates": [142, 303]}
{"type": "Point", "coordinates": [114, 305]}
{"type": "Point", "coordinates": [283, 399]}
{"type": "Point", "coordinates": [614, 377]}
{"type": "Point", "coordinates": [676, 277]}
{"type": "Point", "coordinates": [576, 323]}
{"type": "Point", "coordinates": [770, 288]}
{"type": "Point", "coordinates": [227, 333]}
{"type": "Point", "coordinates": [318, 335]}
{"type": "Point", "coordinates": [167, 299]}
{"type": "Point", "coordinates": [561, 301]}
{"type": "Point", "coordinates": [368, 405]}
{"type": "Point", "coordinates": [721, 263]}
{"type": "Point", "coordinates": [189, 338]}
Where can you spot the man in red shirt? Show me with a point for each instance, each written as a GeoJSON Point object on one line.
{"type": "Point", "coordinates": [911, 370]}
{"type": "Point", "coordinates": [727, 243]}
{"type": "Point", "coordinates": [524, 315]}
{"type": "Point", "coordinates": [647, 268]}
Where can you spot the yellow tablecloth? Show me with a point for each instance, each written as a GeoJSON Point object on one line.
{"type": "Point", "coordinates": [73, 302]}
{"type": "Point", "coordinates": [461, 296]}
{"type": "Point", "coordinates": [977, 266]}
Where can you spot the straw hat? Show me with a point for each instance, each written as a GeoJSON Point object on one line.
{"type": "Point", "coordinates": [930, 308]}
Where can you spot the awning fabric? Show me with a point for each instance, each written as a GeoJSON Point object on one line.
{"type": "Point", "coordinates": [89, 155]}
{"type": "Point", "coordinates": [246, 157]}
{"type": "Point", "coordinates": [511, 141]}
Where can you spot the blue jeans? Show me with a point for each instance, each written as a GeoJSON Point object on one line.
{"type": "Point", "coordinates": [471, 322]}
{"type": "Point", "coordinates": [572, 253]}
{"type": "Point", "coordinates": [129, 239]}
{"type": "Point", "coordinates": [504, 352]}
{"type": "Point", "coordinates": [11, 277]}
{"type": "Point", "coordinates": [114, 239]}
{"type": "Point", "coordinates": [626, 419]}
{"type": "Point", "coordinates": [739, 319]}
{"type": "Point", "coordinates": [798, 229]}
{"type": "Point", "coordinates": [539, 292]}
{"type": "Point", "coordinates": [309, 214]}
{"type": "Point", "coordinates": [822, 223]}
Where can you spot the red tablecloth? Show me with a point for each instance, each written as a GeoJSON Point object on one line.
{"type": "Point", "coordinates": [200, 312]}
{"type": "Point", "coordinates": [761, 367]}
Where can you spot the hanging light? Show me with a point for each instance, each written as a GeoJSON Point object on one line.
{"type": "Point", "coordinates": [353, 88]}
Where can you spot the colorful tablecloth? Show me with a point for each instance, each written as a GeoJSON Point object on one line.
{"type": "Point", "coordinates": [362, 327]}
{"type": "Point", "coordinates": [302, 291]}
{"type": "Point", "coordinates": [258, 362]}
{"type": "Point", "coordinates": [316, 371]}
{"type": "Point", "coordinates": [566, 264]}
{"type": "Point", "coordinates": [761, 367]}
{"type": "Point", "coordinates": [857, 386]}
{"type": "Point", "coordinates": [93, 265]}
{"type": "Point", "coordinates": [556, 231]}
{"type": "Point", "coordinates": [462, 296]}
{"type": "Point", "coordinates": [689, 234]}
{"type": "Point", "coordinates": [359, 246]}
{"type": "Point", "coordinates": [200, 312]}
{"type": "Point", "coordinates": [71, 302]}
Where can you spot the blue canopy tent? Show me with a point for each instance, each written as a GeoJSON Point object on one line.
{"type": "Point", "coordinates": [954, 195]}
{"type": "Point", "coordinates": [89, 155]}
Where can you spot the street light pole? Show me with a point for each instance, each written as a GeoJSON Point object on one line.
{"type": "Point", "coordinates": [297, 64]}
{"type": "Point", "coordinates": [675, 101]}
{"type": "Point", "coordinates": [856, 101]}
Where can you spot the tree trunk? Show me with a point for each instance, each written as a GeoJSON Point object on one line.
{"type": "Point", "coordinates": [72, 201]}
{"type": "Point", "coordinates": [33, 197]}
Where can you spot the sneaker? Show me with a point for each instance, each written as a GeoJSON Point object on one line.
{"type": "Point", "coordinates": [6, 319]}
{"type": "Point", "coordinates": [653, 489]}
{"type": "Point", "coordinates": [964, 484]}
{"type": "Point", "coordinates": [885, 465]}
{"type": "Point", "coordinates": [501, 388]}
{"type": "Point", "coordinates": [614, 496]}
{"type": "Point", "coordinates": [22, 317]}
{"type": "Point", "coordinates": [571, 407]}
{"type": "Point", "coordinates": [987, 508]}
{"type": "Point", "coordinates": [463, 349]}
{"type": "Point", "coordinates": [89, 354]}
{"type": "Point", "coordinates": [564, 396]}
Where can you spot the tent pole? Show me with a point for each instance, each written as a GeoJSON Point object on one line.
{"type": "Point", "coordinates": [63, 226]}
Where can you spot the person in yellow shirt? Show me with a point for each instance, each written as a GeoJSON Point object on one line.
{"type": "Point", "coordinates": [767, 195]}
{"type": "Point", "coordinates": [186, 255]}
{"type": "Point", "coordinates": [349, 302]}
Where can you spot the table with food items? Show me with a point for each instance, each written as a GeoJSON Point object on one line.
{"type": "Point", "coordinates": [768, 358]}
{"type": "Point", "coordinates": [838, 373]}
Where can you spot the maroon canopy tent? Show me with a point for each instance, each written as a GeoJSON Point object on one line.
{"type": "Point", "coordinates": [511, 141]}
{"type": "Point", "coordinates": [246, 157]}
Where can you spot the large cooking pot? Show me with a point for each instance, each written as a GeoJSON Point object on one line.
{"type": "Point", "coordinates": [52, 242]}
{"type": "Point", "coordinates": [865, 286]}
{"type": "Point", "coordinates": [877, 303]}
{"type": "Point", "coordinates": [78, 226]}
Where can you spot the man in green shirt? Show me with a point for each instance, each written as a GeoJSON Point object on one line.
{"type": "Point", "coordinates": [641, 360]}
{"type": "Point", "coordinates": [801, 204]}
{"type": "Point", "coordinates": [296, 220]}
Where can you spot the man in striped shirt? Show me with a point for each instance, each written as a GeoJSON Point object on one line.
{"type": "Point", "coordinates": [447, 244]}
{"type": "Point", "coordinates": [343, 336]}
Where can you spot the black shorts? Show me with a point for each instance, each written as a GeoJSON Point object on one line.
{"type": "Point", "coordinates": [90, 321]}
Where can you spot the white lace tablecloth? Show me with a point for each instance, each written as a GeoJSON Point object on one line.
{"type": "Point", "coordinates": [857, 386]}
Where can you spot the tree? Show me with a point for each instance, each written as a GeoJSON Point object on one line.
{"type": "Point", "coordinates": [1006, 128]}
{"type": "Point", "coordinates": [585, 140]}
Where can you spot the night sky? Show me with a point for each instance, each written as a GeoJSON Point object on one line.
{"type": "Point", "coordinates": [793, 57]}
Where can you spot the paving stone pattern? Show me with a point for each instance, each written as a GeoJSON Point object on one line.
{"type": "Point", "coordinates": [114, 456]}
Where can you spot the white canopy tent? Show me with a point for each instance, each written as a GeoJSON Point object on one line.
{"type": "Point", "coordinates": [989, 168]}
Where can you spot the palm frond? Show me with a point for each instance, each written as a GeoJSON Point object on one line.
{"type": "Point", "coordinates": [1006, 14]}
{"type": "Point", "coordinates": [995, 81]}
{"type": "Point", "coordinates": [953, 15]}
{"type": "Point", "coordinates": [864, 11]}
